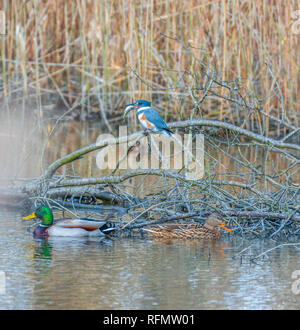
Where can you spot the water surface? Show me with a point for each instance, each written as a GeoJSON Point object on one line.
{"type": "Point", "coordinates": [68, 273]}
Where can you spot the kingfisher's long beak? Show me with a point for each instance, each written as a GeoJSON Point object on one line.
{"type": "Point", "coordinates": [30, 216]}
{"type": "Point", "coordinates": [128, 108]}
{"type": "Point", "coordinates": [223, 225]}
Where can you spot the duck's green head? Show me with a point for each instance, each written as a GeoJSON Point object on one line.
{"type": "Point", "coordinates": [44, 213]}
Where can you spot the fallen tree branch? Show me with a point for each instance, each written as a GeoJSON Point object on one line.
{"type": "Point", "coordinates": [247, 214]}
{"type": "Point", "coordinates": [256, 137]}
{"type": "Point", "coordinates": [268, 215]}
{"type": "Point", "coordinates": [80, 191]}
{"type": "Point", "coordinates": [114, 179]}
{"type": "Point", "coordinates": [280, 144]}
{"type": "Point", "coordinates": [83, 151]}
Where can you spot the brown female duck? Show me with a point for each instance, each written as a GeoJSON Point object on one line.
{"type": "Point", "coordinates": [189, 231]}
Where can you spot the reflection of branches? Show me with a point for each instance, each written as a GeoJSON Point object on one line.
{"type": "Point", "coordinates": [254, 258]}
{"type": "Point", "coordinates": [272, 249]}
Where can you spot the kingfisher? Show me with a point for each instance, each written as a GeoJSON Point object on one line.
{"type": "Point", "coordinates": [148, 117]}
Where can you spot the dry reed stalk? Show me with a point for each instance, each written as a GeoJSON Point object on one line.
{"type": "Point", "coordinates": [113, 37]}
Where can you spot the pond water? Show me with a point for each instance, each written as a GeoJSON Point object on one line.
{"type": "Point", "coordinates": [126, 273]}
{"type": "Point", "coordinates": [141, 274]}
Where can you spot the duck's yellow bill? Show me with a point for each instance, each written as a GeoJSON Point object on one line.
{"type": "Point", "coordinates": [223, 225]}
{"type": "Point", "coordinates": [30, 216]}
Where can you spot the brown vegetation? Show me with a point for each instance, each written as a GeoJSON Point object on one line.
{"type": "Point", "coordinates": [91, 52]}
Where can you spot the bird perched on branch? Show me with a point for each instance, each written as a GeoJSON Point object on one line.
{"type": "Point", "coordinates": [67, 227]}
{"type": "Point", "coordinates": [148, 117]}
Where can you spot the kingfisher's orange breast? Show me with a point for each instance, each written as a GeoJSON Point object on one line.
{"type": "Point", "coordinates": [149, 125]}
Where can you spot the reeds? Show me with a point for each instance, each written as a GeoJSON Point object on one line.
{"type": "Point", "coordinates": [84, 49]}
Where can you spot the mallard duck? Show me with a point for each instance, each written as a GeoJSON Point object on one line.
{"type": "Point", "coordinates": [189, 231]}
{"type": "Point", "coordinates": [67, 227]}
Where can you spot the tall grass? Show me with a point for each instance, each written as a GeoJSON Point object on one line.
{"type": "Point", "coordinates": [101, 44]}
